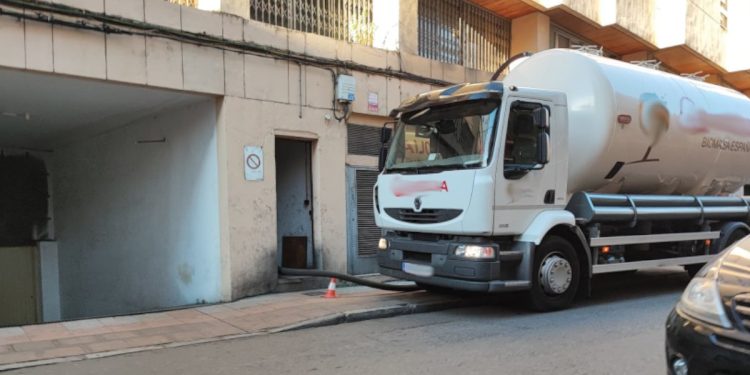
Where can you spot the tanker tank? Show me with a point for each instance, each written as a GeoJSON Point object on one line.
{"type": "Point", "coordinates": [636, 130]}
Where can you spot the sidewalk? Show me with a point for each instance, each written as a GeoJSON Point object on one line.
{"type": "Point", "coordinates": [94, 338]}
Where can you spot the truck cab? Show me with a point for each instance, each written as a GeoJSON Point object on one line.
{"type": "Point", "coordinates": [466, 172]}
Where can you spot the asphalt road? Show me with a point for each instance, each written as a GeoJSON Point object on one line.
{"type": "Point", "coordinates": [620, 330]}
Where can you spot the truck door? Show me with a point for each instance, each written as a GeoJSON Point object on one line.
{"type": "Point", "coordinates": [526, 171]}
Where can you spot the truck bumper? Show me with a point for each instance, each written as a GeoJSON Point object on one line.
{"type": "Point", "coordinates": [502, 274]}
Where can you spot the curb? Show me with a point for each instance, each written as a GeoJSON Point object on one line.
{"type": "Point", "coordinates": [325, 321]}
{"type": "Point", "coordinates": [376, 313]}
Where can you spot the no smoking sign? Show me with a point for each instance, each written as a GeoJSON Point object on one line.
{"type": "Point", "coordinates": [253, 163]}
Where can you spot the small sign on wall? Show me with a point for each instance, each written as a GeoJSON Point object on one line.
{"type": "Point", "coordinates": [372, 102]}
{"type": "Point", "coordinates": [253, 163]}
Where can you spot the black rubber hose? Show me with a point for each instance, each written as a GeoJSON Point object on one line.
{"type": "Point", "coordinates": [343, 276]}
{"type": "Point", "coordinates": [507, 63]}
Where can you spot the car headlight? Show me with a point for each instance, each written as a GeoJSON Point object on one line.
{"type": "Point", "coordinates": [701, 300]}
{"type": "Point", "coordinates": [475, 252]}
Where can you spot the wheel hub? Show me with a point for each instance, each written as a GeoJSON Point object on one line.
{"type": "Point", "coordinates": [555, 274]}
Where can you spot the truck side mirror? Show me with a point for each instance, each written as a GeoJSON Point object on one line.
{"type": "Point", "coordinates": [541, 117]}
{"type": "Point", "coordinates": [543, 150]}
{"type": "Point", "coordinates": [385, 134]}
{"type": "Point", "coordinates": [382, 156]}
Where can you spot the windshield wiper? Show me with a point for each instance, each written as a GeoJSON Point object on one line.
{"type": "Point", "coordinates": [414, 170]}
{"type": "Point", "coordinates": [432, 168]}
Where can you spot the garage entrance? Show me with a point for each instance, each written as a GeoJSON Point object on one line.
{"type": "Point", "coordinates": [294, 203]}
{"type": "Point", "coordinates": [23, 220]}
{"type": "Point", "coordinates": [108, 198]}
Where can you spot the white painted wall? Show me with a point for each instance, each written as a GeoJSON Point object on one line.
{"type": "Point", "coordinates": [137, 223]}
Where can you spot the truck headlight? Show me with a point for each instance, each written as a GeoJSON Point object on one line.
{"type": "Point", "coordinates": [475, 252]}
{"type": "Point", "coordinates": [701, 301]}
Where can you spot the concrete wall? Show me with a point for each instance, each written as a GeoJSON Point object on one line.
{"type": "Point", "coordinates": [530, 33]}
{"type": "Point", "coordinates": [249, 211]}
{"type": "Point", "coordinates": [262, 98]}
{"type": "Point", "coordinates": [138, 223]}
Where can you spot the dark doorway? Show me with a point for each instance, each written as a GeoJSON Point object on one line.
{"type": "Point", "coordinates": [23, 199]}
{"type": "Point", "coordinates": [23, 219]}
{"type": "Point", "coordinates": [294, 203]}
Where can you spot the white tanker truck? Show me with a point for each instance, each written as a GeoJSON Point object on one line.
{"type": "Point", "coordinates": [573, 165]}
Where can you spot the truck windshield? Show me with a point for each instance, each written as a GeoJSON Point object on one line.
{"type": "Point", "coordinates": [445, 137]}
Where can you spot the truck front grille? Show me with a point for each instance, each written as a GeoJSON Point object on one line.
{"type": "Point", "coordinates": [426, 216]}
{"type": "Point", "coordinates": [741, 307]}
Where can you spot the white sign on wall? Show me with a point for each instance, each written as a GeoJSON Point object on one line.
{"type": "Point", "coordinates": [253, 163]}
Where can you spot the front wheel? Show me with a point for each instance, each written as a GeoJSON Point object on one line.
{"type": "Point", "coordinates": [556, 275]}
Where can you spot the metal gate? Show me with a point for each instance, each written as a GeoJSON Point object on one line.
{"type": "Point", "coordinates": [363, 233]}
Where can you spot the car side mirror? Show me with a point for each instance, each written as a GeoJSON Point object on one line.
{"type": "Point", "coordinates": [543, 151]}
{"type": "Point", "coordinates": [541, 117]}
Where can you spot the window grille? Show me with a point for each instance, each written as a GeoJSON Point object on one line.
{"type": "Point", "coordinates": [363, 140]}
{"type": "Point", "coordinates": [457, 32]}
{"type": "Point", "coordinates": [187, 3]}
{"type": "Point", "coordinates": [349, 20]}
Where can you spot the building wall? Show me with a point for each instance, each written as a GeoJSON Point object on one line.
{"type": "Point", "coordinates": [250, 210]}
{"type": "Point", "coordinates": [137, 224]}
{"type": "Point", "coordinates": [260, 98]}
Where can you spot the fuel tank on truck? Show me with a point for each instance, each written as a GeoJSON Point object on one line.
{"type": "Point", "coordinates": [637, 130]}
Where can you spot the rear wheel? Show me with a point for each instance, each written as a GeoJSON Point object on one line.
{"type": "Point", "coordinates": [556, 275]}
{"type": "Point", "coordinates": [733, 236]}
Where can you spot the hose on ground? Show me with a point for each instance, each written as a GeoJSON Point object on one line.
{"type": "Point", "coordinates": [343, 276]}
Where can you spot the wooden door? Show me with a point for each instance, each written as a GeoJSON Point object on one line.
{"type": "Point", "coordinates": [18, 286]}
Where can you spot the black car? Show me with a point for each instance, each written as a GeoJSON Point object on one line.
{"type": "Point", "coordinates": [708, 331]}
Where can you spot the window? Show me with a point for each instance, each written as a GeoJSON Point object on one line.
{"type": "Point", "coordinates": [456, 136]}
{"type": "Point", "coordinates": [525, 141]}
{"type": "Point", "coordinates": [561, 38]}
{"type": "Point", "coordinates": [349, 20]}
{"type": "Point", "coordinates": [564, 39]}
{"type": "Point", "coordinates": [457, 32]}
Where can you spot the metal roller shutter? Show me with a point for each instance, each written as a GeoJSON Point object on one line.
{"type": "Point", "coordinates": [368, 233]}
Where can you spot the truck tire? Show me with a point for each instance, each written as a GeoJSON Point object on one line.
{"type": "Point", "coordinates": [556, 275]}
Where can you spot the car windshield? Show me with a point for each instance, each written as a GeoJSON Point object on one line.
{"type": "Point", "coordinates": [446, 137]}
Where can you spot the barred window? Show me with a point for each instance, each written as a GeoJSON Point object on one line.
{"type": "Point", "coordinates": [349, 20]}
{"type": "Point", "coordinates": [457, 32]}
{"type": "Point", "coordinates": [187, 3]}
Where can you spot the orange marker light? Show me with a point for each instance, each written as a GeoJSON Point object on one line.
{"type": "Point", "coordinates": [708, 243]}
{"type": "Point", "coordinates": [605, 250]}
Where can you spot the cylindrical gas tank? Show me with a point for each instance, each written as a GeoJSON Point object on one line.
{"type": "Point", "coordinates": [638, 130]}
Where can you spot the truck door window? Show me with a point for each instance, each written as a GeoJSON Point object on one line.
{"type": "Point", "coordinates": [522, 140]}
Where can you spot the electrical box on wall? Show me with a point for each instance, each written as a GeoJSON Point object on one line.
{"type": "Point", "coordinates": [345, 88]}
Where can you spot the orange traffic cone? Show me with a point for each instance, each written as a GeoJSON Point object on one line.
{"type": "Point", "coordinates": [331, 292]}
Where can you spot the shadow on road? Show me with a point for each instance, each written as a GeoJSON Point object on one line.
{"type": "Point", "coordinates": [606, 289]}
